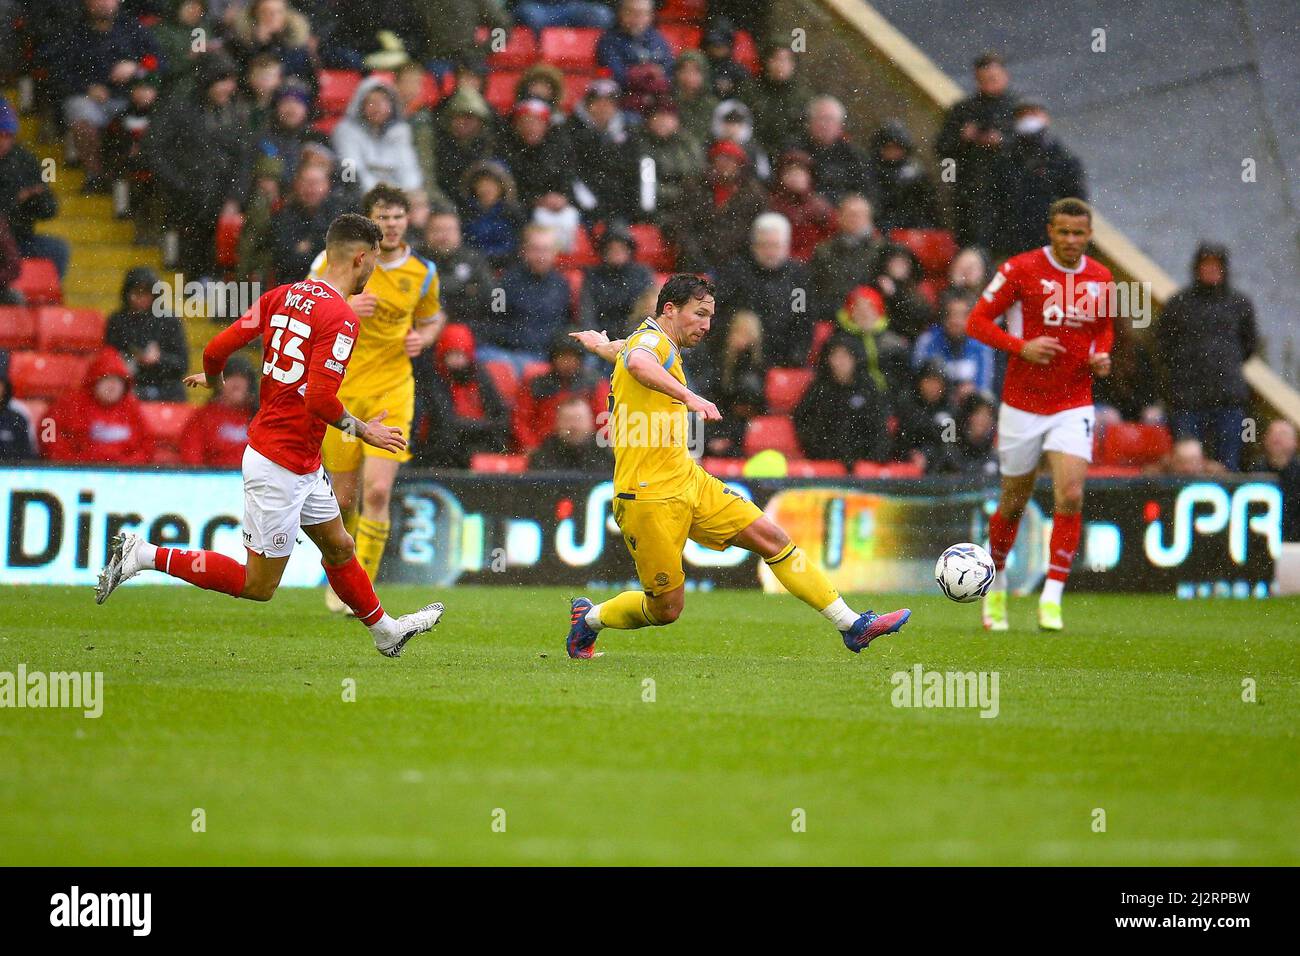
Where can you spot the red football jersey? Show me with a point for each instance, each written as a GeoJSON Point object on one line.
{"type": "Point", "coordinates": [1040, 297]}
{"type": "Point", "coordinates": [307, 330]}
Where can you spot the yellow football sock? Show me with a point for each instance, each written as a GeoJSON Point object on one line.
{"type": "Point", "coordinates": [371, 538]}
{"type": "Point", "coordinates": [802, 578]}
{"type": "Point", "coordinates": [350, 519]}
{"type": "Point", "coordinates": [626, 612]}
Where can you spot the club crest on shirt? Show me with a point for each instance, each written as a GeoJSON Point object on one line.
{"type": "Point", "coordinates": [343, 346]}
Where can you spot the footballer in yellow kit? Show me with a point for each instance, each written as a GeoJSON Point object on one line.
{"type": "Point", "coordinates": [662, 497]}
{"type": "Point", "coordinates": [400, 316]}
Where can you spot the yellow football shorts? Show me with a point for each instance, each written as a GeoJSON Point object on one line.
{"type": "Point", "coordinates": [655, 531]}
{"type": "Point", "coordinates": [344, 452]}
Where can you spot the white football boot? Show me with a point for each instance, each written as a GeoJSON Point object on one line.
{"type": "Point", "coordinates": [123, 564]}
{"type": "Point", "coordinates": [392, 634]}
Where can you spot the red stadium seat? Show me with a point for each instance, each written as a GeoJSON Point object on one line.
{"type": "Point", "coordinates": [681, 36]}
{"type": "Point", "coordinates": [821, 332]}
{"type": "Point", "coordinates": [506, 464]}
{"type": "Point", "coordinates": [813, 468]}
{"type": "Point", "coordinates": [867, 469]}
{"type": "Point", "coordinates": [652, 249]}
{"type": "Point", "coordinates": [59, 329]}
{"type": "Point", "coordinates": [683, 11]}
{"type": "Point", "coordinates": [166, 421]}
{"type": "Point", "coordinates": [772, 431]}
{"type": "Point", "coordinates": [336, 89]}
{"type": "Point", "coordinates": [785, 386]}
{"type": "Point", "coordinates": [935, 248]}
{"type": "Point", "coordinates": [581, 255]}
{"type": "Point", "coordinates": [724, 467]}
{"type": "Point", "coordinates": [505, 380]}
{"type": "Point", "coordinates": [1114, 471]}
{"type": "Point", "coordinates": [228, 229]}
{"type": "Point", "coordinates": [39, 283]}
{"type": "Point", "coordinates": [17, 328]}
{"type": "Point", "coordinates": [1131, 444]}
{"type": "Point", "coordinates": [534, 369]}
{"type": "Point", "coordinates": [932, 289]}
{"type": "Point", "coordinates": [572, 49]}
{"type": "Point", "coordinates": [574, 278]}
{"type": "Point", "coordinates": [520, 51]}
{"type": "Point", "coordinates": [500, 90]}
{"type": "Point", "coordinates": [325, 125]}
{"type": "Point", "coordinates": [45, 375]}
{"type": "Point", "coordinates": [575, 88]}
{"type": "Point", "coordinates": [893, 469]}
{"type": "Point", "coordinates": [745, 52]}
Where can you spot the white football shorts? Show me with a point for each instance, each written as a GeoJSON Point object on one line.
{"type": "Point", "coordinates": [277, 502]}
{"type": "Point", "coordinates": [1024, 436]}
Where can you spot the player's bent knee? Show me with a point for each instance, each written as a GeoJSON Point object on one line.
{"type": "Point", "coordinates": [376, 498]}
{"type": "Point", "coordinates": [258, 591]}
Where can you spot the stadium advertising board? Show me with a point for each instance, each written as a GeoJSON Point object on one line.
{"type": "Point", "coordinates": [1193, 538]}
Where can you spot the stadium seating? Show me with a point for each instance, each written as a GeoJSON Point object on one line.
{"type": "Point", "coordinates": [1132, 444]}
{"type": "Point", "coordinates": [821, 332]}
{"type": "Point", "coordinates": [785, 386]}
{"type": "Point", "coordinates": [59, 329]}
{"type": "Point", "coordinates": [166, 422]}
{"type": "Point", "coordinates": [504, 378]}
{"type": "Point", "coordinates": [534, 369]}
{"type": "Point", "coordinates": [893, 469]}
{"type": "Point", "coordinates": [229, 226]}
{"type": "Point", "coordinates": [934, 248]}
{"type": "Point", "coordinates": [571, 49]}
{"type": "Point", "coordinates": [681, 36]}
{"type": "Point", "coordinates": [574, 278]}
{"type": "Point", "coordinates": [582, 254]}
{"type": "Point", "coordinates": [723, 467]}
{"type": "Point", "coordinates": [812, 468]}
{"type": "Point", "coordinates": [683, 11]}
{"type": "Point", "coordinates": [39, 283]}
{"type": "Point", "coordinates": [745, 52]}
{"type": "Point", "coordinates": [45, 375]}
{"type": "Point", "coordinates": [772, 431]}
{"type": "Point", "coordinates": [501, 464]}
{"type": "Point", "coordinates": [17, 328]}
{"type": "Point", "coordinates": [652, 249]}
{"type": "Point", "coordinates": [499, 90]}
{"type": "Point", "coordinates": [336, 89]}
{"type": "Point", "coordinates": [520, 51]}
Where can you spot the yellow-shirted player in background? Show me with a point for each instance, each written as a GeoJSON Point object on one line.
{"type": "Point", "coordinates": [662, 497]}
{"type": "Point", "coordinates": [400, 317]}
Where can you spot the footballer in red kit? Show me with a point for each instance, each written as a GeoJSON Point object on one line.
{"type": "Point", "coordinates": [308, 331]}
{"type": "Point", "coordinates": [1058, 334]}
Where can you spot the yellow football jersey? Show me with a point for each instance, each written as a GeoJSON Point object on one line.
{"type": "Point", "coordinates": [407, 291]}
{"type": "Point", "coordinates": [648, 430]}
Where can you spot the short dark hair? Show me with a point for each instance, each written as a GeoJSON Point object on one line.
{"type": "Point", "coordinates": [384, 195]}
{"type": "Point", "coordinates": [1069, 206]}
{"type": "Point", "coordinates": [991, 58]}
{"type": "Point", "coordinates": [964, 296]}
{"type": "Point", "coordinates": [351, 227]}
{"type": "Point", "coordinates": [681, 288]}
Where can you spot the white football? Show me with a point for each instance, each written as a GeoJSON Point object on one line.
{"type": "Point", "coordinates": [964, 572]}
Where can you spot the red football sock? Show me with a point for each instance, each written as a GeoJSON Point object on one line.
{"type": "Point", "coordinates": [351, 583]}
{"type": "Point", "coordinates": [1002, 538]}
{"type": "Point", "coordinates": [205, 569]}
{"type": "Point", "coordinates": [1065, 542]}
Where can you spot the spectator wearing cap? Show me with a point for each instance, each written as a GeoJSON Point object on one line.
{"type": "Point", "coordinates": [92, 65]}
{"type": "Point", "coordinates": [718, 43]}
{"type": "Point", "coordinates": [149, 338]}
{"type": "Point", "coordinates": [568, 377]}
{"type": "Point", "coordinates": [896, 274]}
{"type": "Point", "coordinates": [888, 358]}
{"type": "Point", "coordinates": [974, 452]}
{"type": "Point", "coordinates": [1032, 172]}
{"type": "Point", "coordinates": [297, 230]}
{"type": "Point", "coordinates": [536, 304]}
{"type": "Point", "coordinates": [537, 15]}
{"type": "Point", "coordinates": [907, 195]}
{"type": "Point", "coordinates": [272, 28]}
{"type": "Point", "coordinates": [459, 411]}
{"type": "Point", "coordinates": [539, 156]}
{"type": "Point", "coordinates": [573, 444]}
{"type": "Point", "coordinates": [843, 416]}
{"type": "Point", "coordinates": [217, 434]}
{"type": "Point", "coordinates": [778, 97]}
{"type": "Point", "coordinates": [712, 224]}
{"type": "Point", "coordinates": [604, 156]}
{"type": "Point", "coordinates": [969, 365]}
{"type": "Point", "coordinates": [812, 219]}
{"type": "Point", "coordinates": [492, 216]}
{"type": "Point", "coordinates": [845, 260]}
{"type": "Point", "coordinates": [973, 135]}
{"type": "Point", "coordinates": [1204, 335]}
{"type": "Point", "coordinates": [633, 41]}
{"type": "Point", "coordinates": [464, 276]}
{"type": "Point", "coordinates": [734, 123]}
{"type": "Point", "coordinates": [839, 167]}
{"type": "Point", "coordinates": [768, 282]}
{"type": "Point", "coordinates": [545, 82]}
{"type": "Point", "coordinates": [927, 427]}
{"type": "Point", "coordinates": [199, 185]}
{"type": "Point", "coordinates": [693, 94]}
{"type": "Point", "coordinates": [678, 159]}
{"type": "Point", "coordinates": [374, 140]}
{"type": "Point", "coordinates": [1281, 459]}
{"type": "Point", "coordinates": [464, 137]}
{"type": "Point", "coordinates": [25, 196]}
{"type": "Point", "coordinates": [611, 289]}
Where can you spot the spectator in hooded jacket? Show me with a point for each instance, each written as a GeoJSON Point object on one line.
{"type": "Point", "coordinates": [151, 340]}
{"type": "Point", "coordinates": [839, 167]}
{"type": "Point", "coordinates": [633, 40]}
{"type": "Point", "coordinates": [464, 136]}
{"type": "Point", "coordinates": [539, 156]}
{"type": "Point", "coordinates": [1032, 172]}
{"type": "Point", "coordinates": [907, 195]}
{"type": "Point", "coordinates": [572, 445]}
{"type": "Point", "coordinates": [610, 290]}
{"type": "Point", "coordinates": [199, 184]}
{"type": "Point", "coordinates": [777, 97]}
{"type": "Point", "coordinates": [718, 44]}
{"type": "Point", "coordinates": [843, 416]}
{"type": "Point", "coordinates": [462, 411]}
{"type": "Point", "coordinates": [272, 27]}
{"type": "Point", "coordinates": [99, 422]}
{"type": "Point", "coordinates": [542, 395]}
{"type": "Point", "coordinates": [217, 434]}
{"type": "Point", "coordinates": [968, 364]}
{"type": "Point", "coordinates": [733, 122]}
{"type": "Point", "coordinates": [812, 219]}
{"type": "Point", "coordinates": [15, 430]}
{"type": "Point", "coordinates": [767, 281]}
{"type": "Point", "coordinates": [374, 139]}
{"type": "Point", "coordinates": [898, 272]}
{"type": "Point", "coordinates": [493, 219]}
{"type": "Point", "coordinates": [693, 94]}
{"type": "Point", "coordinates": [887, 353]}
{"type": "Point", "coordinates": [974, 453]}
{"type": "Point", "coordinates": [1204, 336]}
{"type": "Point", "coordinates": [927, 428]}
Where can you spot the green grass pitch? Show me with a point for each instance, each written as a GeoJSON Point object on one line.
{"type": "Point", "coordinates": [758, 713]}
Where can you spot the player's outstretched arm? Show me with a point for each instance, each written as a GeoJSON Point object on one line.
{"type": "Point", "coordinates": [223, 345]}
{"type": "Point", "coordinates": [598, 343]}
{"type": "Point", "coordinates": [643, 365]}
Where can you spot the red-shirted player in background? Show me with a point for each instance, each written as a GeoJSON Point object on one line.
{"type": "Point", "coordinates": [1059, 336]}
{"type": "Point", "coordinates": [307, 330]}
